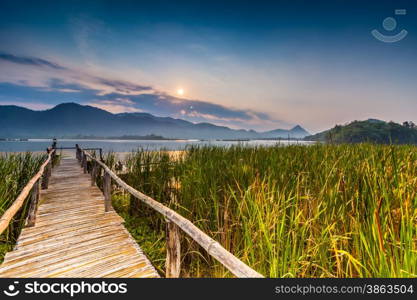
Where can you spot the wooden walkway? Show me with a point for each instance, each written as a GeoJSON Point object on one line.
{"type": "Point", "coordinates": [73, 236]}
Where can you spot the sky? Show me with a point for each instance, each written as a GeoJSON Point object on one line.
{"type": "Point", "coordinates": [243, 64]}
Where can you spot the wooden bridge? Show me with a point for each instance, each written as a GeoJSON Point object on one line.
{"type": "Point", "coordinates": [72, 230]}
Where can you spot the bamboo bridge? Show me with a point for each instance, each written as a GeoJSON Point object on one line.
{"type": "Point", "coordinates": [71, 229]}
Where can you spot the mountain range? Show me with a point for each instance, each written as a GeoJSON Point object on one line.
{"type": "Point", "coordinates": [72, 119]}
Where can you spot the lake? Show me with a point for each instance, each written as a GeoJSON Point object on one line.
{"type": "Point", "coordinates": [130, 145]}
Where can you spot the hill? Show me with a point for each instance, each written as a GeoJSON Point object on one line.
{"type": "Point", "coordinates": [71, 120]}
{"type": "Point", "coordinates": [370, 130]}
{"type": "Point", "coordinates": [295, 132]}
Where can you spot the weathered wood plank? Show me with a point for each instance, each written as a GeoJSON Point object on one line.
{"type": "Point", "coordinates": [73, 236]}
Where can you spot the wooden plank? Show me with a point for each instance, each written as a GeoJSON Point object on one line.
{"type": "Point", "coordinates": [55, 263]}
{"type": "Point", "coordinates": [90, 222]}
{"type": "Point", "coordinates": [57, 210]}
{"type": "Point", "coordinates": [82, 264]}
{"type": "Point", "coordinates": [58, 249]}
{"type": "Point", "coordinates": [126, 270]}
{"type": "Point", "coordinates": [65, 241]}
{"type": "Point", "coordinates": [101, 268]}
{"type": "Point", "coordinates": [59, 217]}
{"type": "Point", "coordinates": [73, 236]}
{"type": "Point", "coordinates": [86, 226]}
{"type": "Point", "coordinates": [51, 241]}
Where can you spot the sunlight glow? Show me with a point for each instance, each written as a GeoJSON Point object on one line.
{"type": "Point", "coordinates": [180, 91]}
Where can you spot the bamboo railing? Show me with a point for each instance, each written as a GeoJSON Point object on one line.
{"type": "Point", "coordinates": [32, 187]}
{"type": "Point", "coordinates": [175, 222]}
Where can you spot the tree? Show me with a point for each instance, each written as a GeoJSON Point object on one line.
{"type": "Point", "coordinates": [409, 124]}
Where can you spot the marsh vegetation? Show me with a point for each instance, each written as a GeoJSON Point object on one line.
{"type": "Point", "coordinates": [295, 211]}
{"type": "Point", "coordinates": [15, 172]}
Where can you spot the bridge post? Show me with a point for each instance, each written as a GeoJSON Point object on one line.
{"type": "Point", "coordinates": [77, 152]}
{"type": "Point", "coordinates": [107, 191]}
{"type": "Point", "coordinates": [46, 174]}
{"type": "Point", "coordinates": [101, 155]}
{"type": "Point", "coordinates": [53, 147]}
{"type": "Point", "coordinates": [84, 163]}
{"type": "Point", "coordinates": [34, 200]}
{"type": "Point", "coordinates": [93, 172]}
{"type": "Point", "coordinates": [173, 246]}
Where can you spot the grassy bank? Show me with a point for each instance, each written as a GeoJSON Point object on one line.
{"type": "Point", "coordinates": [296, 211]}
{"type": "Point", "coordinates": [15, 172]}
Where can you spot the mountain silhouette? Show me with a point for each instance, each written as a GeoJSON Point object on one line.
{"type": "Point", "coordinates": [72, 119]}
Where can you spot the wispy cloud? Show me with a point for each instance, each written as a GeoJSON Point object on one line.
{"type": "Point", "coordinates": [124, 87]}
{"type": "Point", "coordinates": [31, 61]}
{"type": "Point", "coordinates": [86, 30]}
{"type": "Point", "coordinates": [113, 106]}
{"type": "Point", "coordinates": [43, 80]}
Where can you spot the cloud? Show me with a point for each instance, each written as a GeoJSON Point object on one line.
{"type": "Point", "coordinates": [113, 106]}
{"type": "Point", "coordinates": [33, 61]}
{"type": "Point", "coordinates": [44, 82]}
{"type": "Point", "coordinates": [123, 86]}
{"type": "Point", "coordinates": [85, 31]}
{"type": "Point", "coordinates": [191, 110]}
{"type": "Point", "coordinates": [26, 71]}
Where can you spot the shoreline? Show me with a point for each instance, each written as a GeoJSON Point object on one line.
{"type": "Point", "coordinates": [121, 155]}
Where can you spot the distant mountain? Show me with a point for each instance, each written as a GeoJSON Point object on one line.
{"type": "Point", "coordinates": [71, 120]}
{"type": "Point", "coordinates": [295, 132]}
{"type": "Point", "coordinates": [371, 130]}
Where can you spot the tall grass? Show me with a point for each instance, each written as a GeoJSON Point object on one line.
{"type": "Point", "coordinates": [295, 211]}
{"type": "Point", "coordinates": [15, 172]}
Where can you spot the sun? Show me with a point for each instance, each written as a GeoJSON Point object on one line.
{"type": "Point", "coordinates": [180, 91]}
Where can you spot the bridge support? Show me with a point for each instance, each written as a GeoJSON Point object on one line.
{"type": "Point", "coordinates": [173, 246]}
{"type": "Point", "coordinates": [107, 191]}
{"type": "Point", "coordinates": [46, 175]}
{"type": "Point", "coordinates": [94, 169]}
{"type": "Point", "coordinates": [84, 163]}
{"type": "Point", "coordinates": [34, 200]}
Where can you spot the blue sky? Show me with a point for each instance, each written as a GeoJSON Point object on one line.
{"type": "Point", "coordinates": [243, 64]}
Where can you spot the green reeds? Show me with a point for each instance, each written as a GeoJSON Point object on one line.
{"type": "Point", "coordinates": [295, 211]}
{"type": "Point", "coordinates": [15, 172]}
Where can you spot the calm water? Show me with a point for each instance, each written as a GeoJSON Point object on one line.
{"type": "Point", "coordinates": [128, 145]}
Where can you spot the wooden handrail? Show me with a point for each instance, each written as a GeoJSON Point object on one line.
{"type": "Point", "coordinates": [213, 248]}
{"type": "Point", "coordinates": [18, 203]}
